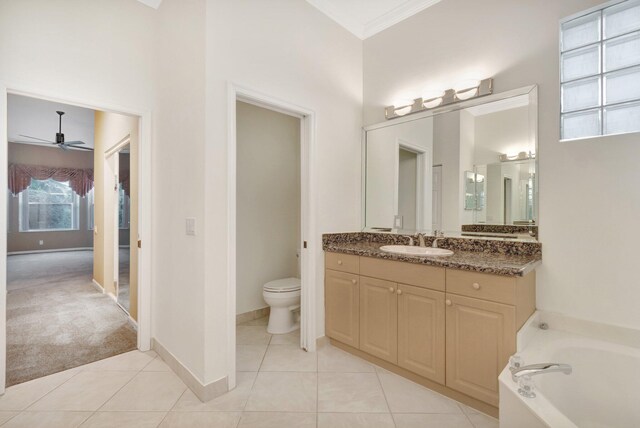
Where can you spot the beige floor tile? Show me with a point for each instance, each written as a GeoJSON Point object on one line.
{"type": "Point", "coordinates": [249, 357]}
{"type": "Point", "coordinates": [21, 396]}
{"type": "Point", "coordinates": [252, 335]}
{"type": "Point", "coordinates": [47, 420]}
{"type": "Point", "coordinates": [332, 359]}
{"type": "Point", "coordinates": [5, 416]}
{"type": "Point", "coordinates": [200, 420]}
{"type": "Point", "coordinates": [433, 420]}
{"type": "Point", "coordinates": [355, 420]}
{"type": "Point", "coordinates": [405, 396]}
{"type": "Point", "coordinates": [350, 392]}
{"type": "Point", "coordinates": [289, 358]}
{"type": "Point", "coordinates": [150, 391]}
{"type": "Point", "coordinates": [234, 400]}
{"type": "Point", "coordinates": [124, 419]}
{"type": "Point", "coordinates": [284, 392]}
{"type": "Point", "coordinates": [86, 391]}
{"type": "Point", "coordinates": [480, 420]}
{"type": "Point", "coordinates": [277, 420]}
{"type": "Point", "coordinates": [129, 361]}
{"type": "Point", "coordinates": [157, 365]}
{"type": "Point", "coordinates": [292, 338]}
{"type": "Point", "coordinates": [468, 410]}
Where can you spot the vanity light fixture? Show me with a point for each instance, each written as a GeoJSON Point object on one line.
{"type": "Point", "coordinates": [520, 156]}
{"type": "Point", "coordinates": [463, 91]}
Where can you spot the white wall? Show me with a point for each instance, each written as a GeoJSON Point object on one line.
{"type": "Point", "coordinates": [505, 131]}
{"type": "Point", "coordinates": [586, 197]}
{"type": "Point", "coordinates": [122, 53]}
{"type": "Point", "coordinates": [446, 152]}
{"type": "Point", "coordinates": [268, 201]}
{"type": "Point", "coordinates": [290, 50]}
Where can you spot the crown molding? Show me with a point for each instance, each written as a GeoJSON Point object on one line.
{"type": "Point", "coordinates": [364, 31]}
{"type": "Point", "coordinates": [155, 4]}
{"type": "Point", "coordinates": [396, 15]}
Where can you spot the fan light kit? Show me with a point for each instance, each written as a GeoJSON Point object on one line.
{"type": "Point", "coordinates": [463, 91]}
{"type": "Point", "coordinates": [64, 145]}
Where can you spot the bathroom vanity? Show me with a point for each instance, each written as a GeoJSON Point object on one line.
{"type": "Point", "coordinates": [449, 323]}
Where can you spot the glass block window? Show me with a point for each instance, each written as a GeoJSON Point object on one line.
{"type": "Point", "coordinates": [600, 71]}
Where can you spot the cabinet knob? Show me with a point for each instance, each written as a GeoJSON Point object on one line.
{"type": "Point", "coordinates": [447, 302]}
{"type": "Point", "coordinates": [399, 291]}
{"type": "Point", "coordinates": [339, 262]}
{"type": "Point", "coordinates": [354, 281]}
{"type": "Point", "coordinates": [476, 286]}
{"type": "Point", "coordinates": [391, 290]}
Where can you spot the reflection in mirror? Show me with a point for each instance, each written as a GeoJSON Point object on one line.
{"type": "Point", "coordinates": [472, 169]}
{"type": "Point", "coordinates": [124, 247]}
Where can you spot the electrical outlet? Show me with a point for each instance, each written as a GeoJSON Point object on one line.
{"type": "Point", "coordinates": [41, 242]}
{"type": "Point", "coordinates": [191, 226]}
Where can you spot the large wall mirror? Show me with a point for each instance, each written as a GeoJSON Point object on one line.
{"type": "Point", "coordinates": [470, 166]}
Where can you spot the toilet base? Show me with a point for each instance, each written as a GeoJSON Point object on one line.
{"type": "Point", "coordinates": [283, 321]}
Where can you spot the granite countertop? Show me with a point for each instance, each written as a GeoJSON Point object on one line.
{"type": "Point", "coordinates": [476, 261]}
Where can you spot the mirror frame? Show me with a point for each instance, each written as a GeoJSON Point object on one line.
{"type": "Point", "coordinates": [531, 91]}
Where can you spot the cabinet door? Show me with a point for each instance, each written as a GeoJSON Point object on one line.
{"type": "Point", "coordinates": [421, 331]}
{"type": "Point", "coordinates": [481, 336]}
{"type": "Point", "coordinates": [379, 318]}
{"type": "Point", "coordinates": [342, 307]}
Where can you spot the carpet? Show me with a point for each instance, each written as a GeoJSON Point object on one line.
{"type": "Point", "coordinates": [57, 319]}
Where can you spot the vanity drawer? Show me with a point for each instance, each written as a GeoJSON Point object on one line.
{"type": "Point", "coordinates": [342, 262]}
{"type": "Point", "coordinates": [403, 272]}
{"type": "Point", "coordinates": [501, 289]}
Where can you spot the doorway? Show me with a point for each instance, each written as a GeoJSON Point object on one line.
{"type": "Point", "coordinates": [141, 338]}
{"type": "Point", "coordinates": [309, 249]}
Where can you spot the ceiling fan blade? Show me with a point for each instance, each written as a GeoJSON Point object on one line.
{"type": "Point", "coordinates": [73, 143]}
{"type": "Point", "coordinates": [39, 139]}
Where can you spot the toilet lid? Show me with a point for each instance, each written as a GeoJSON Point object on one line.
{"type": "Point", "coordinates": [281, 285]}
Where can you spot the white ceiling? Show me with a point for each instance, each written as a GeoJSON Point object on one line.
{"type": "Point", "coordinates": [364, 18]}
{"type": "Point", "coordinates": [38, 118]}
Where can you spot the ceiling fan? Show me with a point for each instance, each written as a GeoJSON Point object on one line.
{"type": "Point", "coordinates": [64, 145]}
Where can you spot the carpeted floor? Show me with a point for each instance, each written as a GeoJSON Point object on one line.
{"type": "Point", "coordinates": [56, 318]}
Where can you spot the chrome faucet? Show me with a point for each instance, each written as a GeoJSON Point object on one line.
{"type": "Point", "coordinates": [438, 234]}
{"type": "Point", "coordinates": [538, 369]}
{"type": "Point", "coordinates": [421, 240]}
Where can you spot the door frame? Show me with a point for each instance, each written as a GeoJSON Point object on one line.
{"type": "Point", "coordinates": [423, 180]}
{"type": "Point", "coordinates": [308, 254]}
{"type": "Point", "coordinates": [144, 213]}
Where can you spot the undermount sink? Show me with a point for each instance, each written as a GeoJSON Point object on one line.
{"type": "Point", "coordinates": [410, 250]}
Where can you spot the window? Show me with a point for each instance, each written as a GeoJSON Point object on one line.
{"type": "Point", "coordinates": [91, 208]}
{"type": "Point", "coordinates": [48, 205]}
{"type": "Point", "coordinates": [123, 208]}
{"type": "Point", "coordinates": [600, 71]}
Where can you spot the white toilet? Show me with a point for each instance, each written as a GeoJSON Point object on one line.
{"type": "Point", "coordinates": [283, 296]}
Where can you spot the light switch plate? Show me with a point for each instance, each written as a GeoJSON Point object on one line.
{"type": "Point", "coordinates": [397, 222]}
{"type": "Point", "coordinates": [191, 226]}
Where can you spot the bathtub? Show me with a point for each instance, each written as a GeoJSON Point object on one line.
{"type": "Point", "coordinates": [603, 390]}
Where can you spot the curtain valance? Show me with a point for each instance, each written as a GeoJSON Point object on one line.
{"type": "Point", "coordinates": [20, 176]}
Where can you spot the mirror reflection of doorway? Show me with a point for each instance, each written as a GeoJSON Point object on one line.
{"type": "Point", "coordinates": [124, 223]}
{"type": "Point", "coordinates": [507, 200]}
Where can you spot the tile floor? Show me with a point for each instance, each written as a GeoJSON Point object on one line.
{"type": "Point", "coordinates": [279, 385]}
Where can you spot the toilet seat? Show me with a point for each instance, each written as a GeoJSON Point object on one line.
{"type": "Point", "coordinates": [285, 285]}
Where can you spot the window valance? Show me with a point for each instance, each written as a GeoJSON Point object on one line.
{"type": "Point", "coordinates": [20, 176]}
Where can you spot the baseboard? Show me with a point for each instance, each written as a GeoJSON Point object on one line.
{"type": "Point", "coordinates": [203, 392]}
{"type": "Point", "coordinates": [97, 285]}
{"type": "Point", "coordinates": [252, 315]}
{"type": "Point", "coordinates": [54, 250]}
